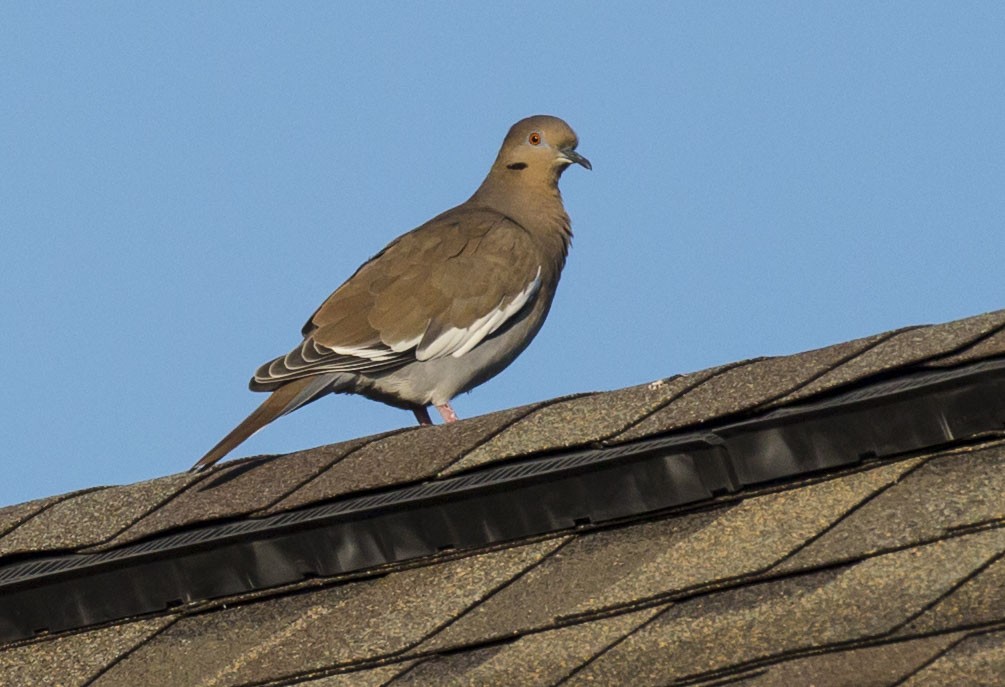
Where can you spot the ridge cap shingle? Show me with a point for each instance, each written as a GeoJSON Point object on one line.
{"type": "Point", "coordinates": [656, 407]}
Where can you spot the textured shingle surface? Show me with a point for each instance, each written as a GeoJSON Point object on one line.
{"type": "Point", "coordinates": [338, 626]}
{"type": "Point", "coordinates": [991, 346]}
{"type": "Point", "coordinates": [541, 658]}
{"type": "Point", "coordinates": [12, 516]}
{"type": "Point", "coordinates": [959, 490]}
{"type": "Point", "coordinates": [91, 517]}
{"type": "Point", "coordinates": [883, 664]}
{"type": "Point", "coordinates": [367, 677]}
{"type": "Point", "coordinates": [977, 661]}
{"type": "Point", "coordinates": [412, 455]}
{"type": "Point", "coordinates": [582, 420]}
{"type": "Point", "coordinates": [74, 659]}
{"type": "Point", "coordinates": [239, 488]}
{"type": "Point", "coordinates": [714, 632]}
{"type": "Point", "coordinates": [747, 386]}
{"type": "Point", "coordinates": [619, 567]}
{"type": "Point", "coordinates": [909, 347]}
{"type": "Point", "coordinates": [889, 573]}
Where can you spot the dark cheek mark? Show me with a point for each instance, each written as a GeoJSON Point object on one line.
{"type": "Point", "coordinates": [517, 165]}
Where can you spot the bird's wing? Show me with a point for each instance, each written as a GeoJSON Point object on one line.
{"type": "Point", "coordinates": [436, 291]}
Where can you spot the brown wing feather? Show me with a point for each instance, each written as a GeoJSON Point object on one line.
{"type": "Point", "coordinates": [446, 274]}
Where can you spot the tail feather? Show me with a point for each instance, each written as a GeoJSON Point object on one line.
{"type": "Point", "coordinates": [281, 401]}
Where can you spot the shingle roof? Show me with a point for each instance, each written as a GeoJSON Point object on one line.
{"type": "Point", "coordinates": [887, 571]}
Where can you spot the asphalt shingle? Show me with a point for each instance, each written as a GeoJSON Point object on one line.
{"type": "Point", "coordinates": [620, 567]}
{"type": "Point", "coordinates": [542, 658]}
{"type": "Point", "coordinates": [992, 346]}
{"type": "Point", "coordinates": [746, 387]}
{"type": "Point", "coordinates": [74, 659]}
{"type": "Point", "coordinates": [977, 601]}
{"type": "Point", "coordinates": [580, 420]}
{"type": "Point", "coordinates": [951, 491]}
{"type": "Point", "coordinates": [874, 575]}
{"type": "Point", "coordinates": [367, 677]}
{"type": "Point", "coordinates": [239, 488]}
{"type": "Point", "coordinates": [91, 517]}
{"type": "Point", "coordinates": [882, 665]}
{"type": "Point", "coordinates": [12, 516]}
{"type": "Point", "coordinates": [322, 629]}
{"type": "Point", "coordinates": [977, 661]}
{"type": "Point", "coordinates": [907, 347]}
{"type": "Point", "coordinates": [406, 457]}
{"type": "Point", "coordinates": [717, 631]}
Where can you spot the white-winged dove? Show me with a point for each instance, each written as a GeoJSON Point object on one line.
{"type": "Point", "coordinates": [444, 307]}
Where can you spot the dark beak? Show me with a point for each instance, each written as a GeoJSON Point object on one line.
{"type": "Point", "coordinates": [572, 156]}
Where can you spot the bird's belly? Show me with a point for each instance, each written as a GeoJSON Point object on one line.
{"type": "Point", "coordinates": [436, 381]}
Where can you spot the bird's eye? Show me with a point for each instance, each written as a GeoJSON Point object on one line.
{"type": "Point", "coordinates": [534, 138]}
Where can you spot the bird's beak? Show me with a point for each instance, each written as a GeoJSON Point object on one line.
{"type": "Point", "coordinates": [570, 156]}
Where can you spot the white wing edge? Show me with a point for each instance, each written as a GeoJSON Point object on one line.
{"type": "Point", "coordinates": [456, 341]}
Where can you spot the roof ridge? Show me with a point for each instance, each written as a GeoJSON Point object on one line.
{"type": "Point", "coordinates": [549, 494]}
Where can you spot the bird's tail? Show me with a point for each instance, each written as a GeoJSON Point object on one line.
{"type": "Point", "coordinates": [285, 399]}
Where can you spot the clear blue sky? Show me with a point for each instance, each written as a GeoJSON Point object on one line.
{"type": "Point", "coordinates": [181, 184]}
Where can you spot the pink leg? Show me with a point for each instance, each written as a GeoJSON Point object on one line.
{"type": "Point", "coordinates": [447, 413]}
{"type": "Point", "coordinates": [422, 415]}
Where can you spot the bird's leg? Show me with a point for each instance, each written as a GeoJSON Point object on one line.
{"type": "Point", "coordinates": [422, 415]}
{"type": "Point", "coordinates": [447, 413]}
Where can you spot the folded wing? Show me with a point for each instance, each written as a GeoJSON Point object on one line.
{"type": "Point", "coordinates": [437, 291]}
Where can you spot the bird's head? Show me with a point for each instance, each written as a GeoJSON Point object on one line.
{"type": "Point", "coordinates": [539, 145]}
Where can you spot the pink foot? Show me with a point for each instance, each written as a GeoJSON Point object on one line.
{"type": "Point", "coordinates": [422, 415]}
{"type": "Point", "coordinates": [447, 413]}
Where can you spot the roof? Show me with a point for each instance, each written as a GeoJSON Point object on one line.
{"type": "Point", "coordinates": [831, 517]}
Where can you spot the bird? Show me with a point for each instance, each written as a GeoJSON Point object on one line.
{"type": "Point", "coordinates": [443, 307]}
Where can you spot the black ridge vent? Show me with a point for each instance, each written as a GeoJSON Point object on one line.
{"type": "Point", "coordinates": [501, 503]}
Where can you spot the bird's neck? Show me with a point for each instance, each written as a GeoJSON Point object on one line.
{"type": "Point", "coordinates": [536, 204]}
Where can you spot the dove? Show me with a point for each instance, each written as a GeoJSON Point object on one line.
{"type": "Point", "coordinates": [444, 307]}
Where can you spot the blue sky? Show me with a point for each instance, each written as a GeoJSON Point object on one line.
{"type": "Point", "coordinates": [181, 184]}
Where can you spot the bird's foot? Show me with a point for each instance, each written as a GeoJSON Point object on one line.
{"type": "Point", "coordinates": [422, 415]}
{"type": "Point", "coordinates": [447, 413]}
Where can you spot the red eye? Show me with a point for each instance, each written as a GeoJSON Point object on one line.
{"type": "Point", "coordinates": [534, 138]}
